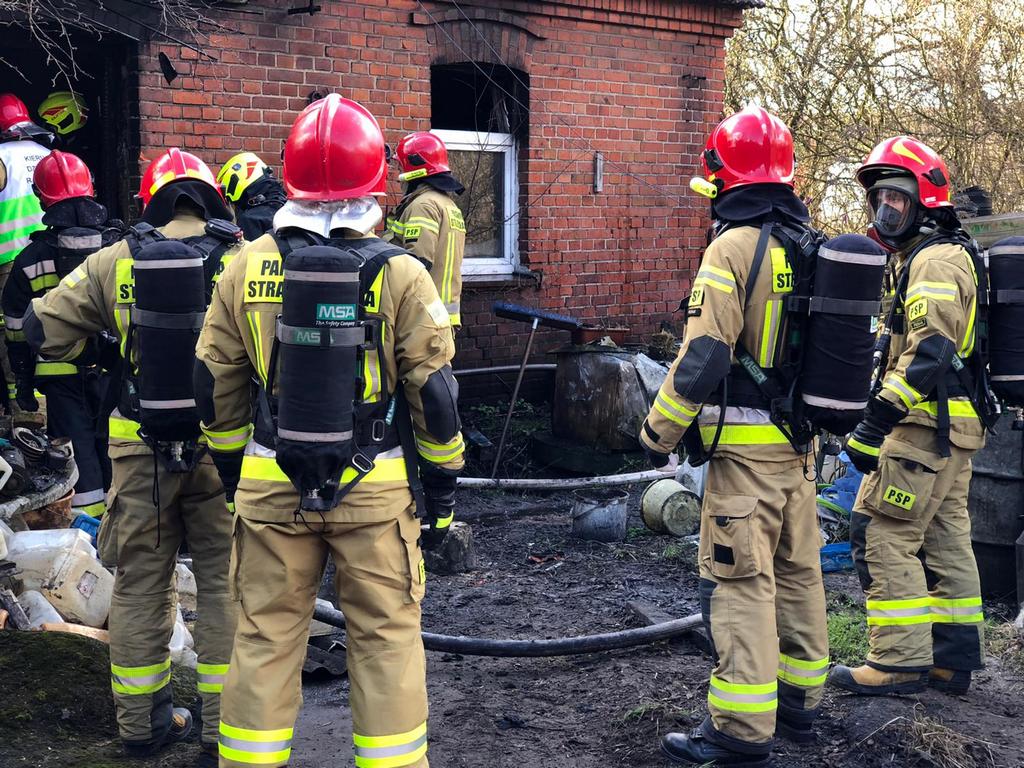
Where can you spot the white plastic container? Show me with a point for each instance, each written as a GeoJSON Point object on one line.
{"type": "Point", "coordinates": [38, 609]}
{"type": "Point", "coordinates": [80, 588]}
{"type": "Point", "coordinates": [181, 644]}
{"type": "Point", "coordinates": [62, 565]}
{"type": "Point", "coordinates": [6, 533]}
{"type": "Point", "coordinates": [37, 553]}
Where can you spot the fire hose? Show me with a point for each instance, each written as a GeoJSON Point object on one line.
{"type": "Point", "coordinates": [563, 646]}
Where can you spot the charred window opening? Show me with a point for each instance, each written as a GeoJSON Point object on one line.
{"type": "Point", "coordinates": [481, 111]}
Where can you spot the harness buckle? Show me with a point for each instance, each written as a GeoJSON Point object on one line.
{"type": "Point", "coordinates": [362, 463]}
{"type": "Point", "coordinates": [377, 430]}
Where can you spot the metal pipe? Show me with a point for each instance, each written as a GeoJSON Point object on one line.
{"type": "Point", "coordinates": [515, 394]}
{"type": "Point", "coordinates": [563, 646]}
{"type": "Point", "coordinates": [561, 484]}
{"type": "Point", "coordinates": [505, 369]}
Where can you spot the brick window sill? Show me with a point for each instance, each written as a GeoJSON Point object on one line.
{"type": "Point", "coordinates": [521, 278]}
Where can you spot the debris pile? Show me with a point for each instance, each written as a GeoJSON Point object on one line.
{"type": "Point", "coordinates": [51, 577]}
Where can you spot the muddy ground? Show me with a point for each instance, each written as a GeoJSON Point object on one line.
{"type": "Point", "coordinates": [604, 710]}
{"type": "Point", "coordinates": [609, 709]}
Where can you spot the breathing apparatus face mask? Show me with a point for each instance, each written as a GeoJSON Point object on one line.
{"type": "Point", "coordinates": [895, 211]}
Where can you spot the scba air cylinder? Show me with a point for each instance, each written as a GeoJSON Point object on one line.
{"type": "Point", "coordinates": [170, 301]}
{"type": "Point", "coordinates": [836, 374]}
{"type": "Point", "coordinates": [319, 336]}
{"type": "Point", "coordinates": [1006, 320]}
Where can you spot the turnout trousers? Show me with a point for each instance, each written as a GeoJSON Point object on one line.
{"type": "Point", "coordinates": [762, 600]}
{"type": "Point", "coordinates": [911, 544]}
{"type": "Point", "coordinates": [192, 508]}
{"type": "Point", "coordinates": [277, 570]}
{"type": "Point", "coordinates": [73, 406]}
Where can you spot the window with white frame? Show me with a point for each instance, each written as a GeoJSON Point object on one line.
{"type": "Point", "coordinates": [480, 112]}
{"type": "Point", "coordinates": [485, 163]}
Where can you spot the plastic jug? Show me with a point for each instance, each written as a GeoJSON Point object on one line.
{"type": "Point", "coordinates": [62, 565]}
{"type": "Point", "coordinates": [80, 588]}
{"type": "Point", "coordinates": [36, 553]}
{"type": "Point", "coordinates": [38, 609]}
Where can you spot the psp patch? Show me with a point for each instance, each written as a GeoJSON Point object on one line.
{"type": "Point", "coordinates": [917, 314]}
{"type": "Point", "coordinates": [899, 498]}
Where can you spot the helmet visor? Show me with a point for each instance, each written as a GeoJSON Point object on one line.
{"type": "Point", "coordinates": [892, 211]}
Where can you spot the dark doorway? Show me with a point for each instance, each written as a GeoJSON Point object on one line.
{"type": "Point", "coordinates": [108, 82]}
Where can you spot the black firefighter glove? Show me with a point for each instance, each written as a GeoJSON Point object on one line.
{"type": "Point", "coordinates": [865, 443]}
{"type": "Point", "coordinates": [439, 496]}
{"type": "Point", "coordinates": [229, 467]}
{"type": "Point", "coordinates": [23, 365]}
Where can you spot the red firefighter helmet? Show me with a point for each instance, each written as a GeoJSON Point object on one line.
{"type": "Point", "coordinates": [61, 176]}
{"type": "Point", "coordinates": [174, 165]}
{"type": "Point", "coordinates": [906, 156]}
{"type": "Point", "coordinates": [335, 151]}
{"type": "Point", "coordinates": [421, 154]}
{"type": "Point", "coordinates": [13, 112]}
{"type": "Point", "coordinates": [752, 146]}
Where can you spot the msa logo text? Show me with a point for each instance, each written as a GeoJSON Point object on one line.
{"type": "Point", "coordinates": [336, 312]}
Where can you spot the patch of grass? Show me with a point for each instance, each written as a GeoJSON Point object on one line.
{"type": "Point", "coordinates": [655, 710]}
{"type": "Point", "coordinates": [1003, 641]}
{"type": "Point", "coordinates": [682, 552]}
{"type": "Point", "coordinates": [847, 632]}
{"type": "Point", "coordinates": [489, 419]}
{"type": "Point", "coordinates": [933, 744]}
{"type": "Point", "coordinates": [636, 532]}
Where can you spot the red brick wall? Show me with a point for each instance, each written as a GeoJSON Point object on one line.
{"type": "Point", "coordinates": [638, 80]}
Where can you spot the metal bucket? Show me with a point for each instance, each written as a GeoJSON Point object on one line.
{"type": "Point", "coordinates": [669, 507]}
{"type": "Point", "coordinates": [599, 514]}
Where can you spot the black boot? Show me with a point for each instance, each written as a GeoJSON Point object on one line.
{"type": "Point", "coordinates": [697, 750]}
{"type": "Point", "coordinates": [180, 728]}
{"type": "Point", "coordinates": [796, 725]}
{"type": "Point", "coordinates": [955, 682]}
{"type": "Point", "coordinates": [208, 757]}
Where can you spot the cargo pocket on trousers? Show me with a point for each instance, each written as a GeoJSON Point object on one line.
{"type": "Point", "coordinates": [409, 531]}
{"type": "Point", "coordinates": [732, 553]}
{"type": "Point", "coordinates": [234, 591]}
{"type": "Point", "coordinates": [106, 540]}
{"type": "Point", "coordinates": [905, 478]}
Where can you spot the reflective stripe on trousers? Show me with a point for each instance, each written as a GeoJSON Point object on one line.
{"type": "Point", "coordinates": [138, 681]}
{"type": "Point", "coordinates": [806, 674]}
{"type": "Point", "coordinates": [255, 747]}
{"type": "Point", "coordinates": [392, 751]}
{"type": "Point", "coordinates": [210, 677]}
{"type": "Point", "coordinates": [742, 697]}
{"type": "Point", "coordinates": [891, 613]}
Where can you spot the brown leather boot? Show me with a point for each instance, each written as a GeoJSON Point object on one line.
{"type": "Point", "coordinates": [951, 681]}
{"type": "Point", "coordinates": [869, 681]}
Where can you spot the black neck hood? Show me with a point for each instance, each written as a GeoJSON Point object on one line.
{"type": "Point", "coordinates": [758, 203]}
{"type": "Point", "coordinates": [200, 194]}
{"type": "Point", "coordinates": [76, 212]}
{"type": "Point", "coordinates": [442, 182]}
{"type": "Point", "coordinates": [266, 191]}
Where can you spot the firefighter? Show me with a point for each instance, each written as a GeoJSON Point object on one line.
{"type": "Point", "coordinates": [910, 529]}
{"type": "Point", "coordinates": [760, 578]}
{"type": "Point", "coordinates": [254, 193]}
{"type": "Point", "coordinates": [334, 171]}
{"type": "Point", "coordinates": [22, 145]}
{"type": "Point", "coordinates": [65, 111]}
{"type": "Point", "coordinates": [76, 225]}
{"type": "Point", "coordinates": [428, 222]}
{"type": "Point", "coordinates": [180, 197]}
